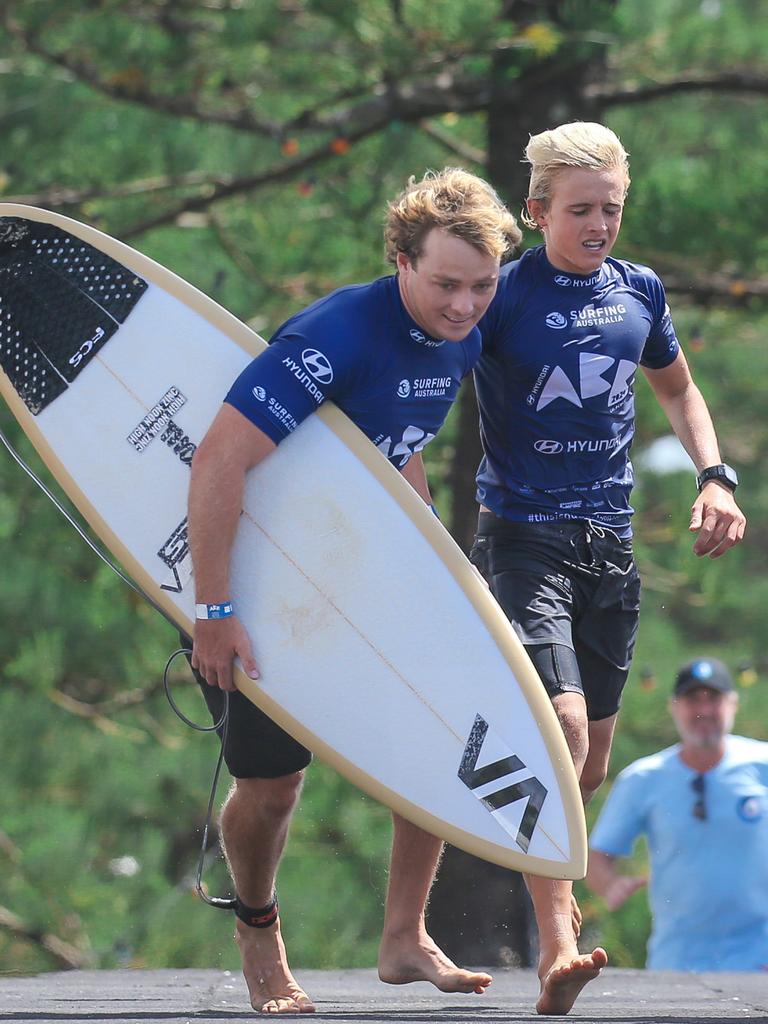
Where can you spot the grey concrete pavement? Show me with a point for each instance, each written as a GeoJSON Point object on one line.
{"type": "Point", "coordinates": [343, 997]}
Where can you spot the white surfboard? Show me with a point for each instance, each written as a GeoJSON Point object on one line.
{"type": "Point", "coordinates": [380, 648]}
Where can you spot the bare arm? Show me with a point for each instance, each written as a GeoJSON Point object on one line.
{"type": "Point", "coordinates": [715, 516]}
{"type": "Point", "coordinates": [231, 447]}
{"type": "Point", "coordinates": [604, 878]}
{"type": "Point", "coordinates": [416, 476]}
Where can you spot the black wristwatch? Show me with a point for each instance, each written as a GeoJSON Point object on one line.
{"type": "Point", "coordinates": [722, 473]}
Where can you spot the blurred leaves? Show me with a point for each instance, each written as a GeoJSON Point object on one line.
{"type": "Point", "coordinates": [251, 146]}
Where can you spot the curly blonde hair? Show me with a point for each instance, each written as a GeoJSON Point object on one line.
{"type": "Point", "coordinates": [461, 203]}
{"type": "Point", "coordinates": [584, 144]}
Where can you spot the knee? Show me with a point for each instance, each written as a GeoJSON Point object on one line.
{"type": "Point", "coordinates": [592, 778]}
{"type": "Point", "coordinates": [274, 798]}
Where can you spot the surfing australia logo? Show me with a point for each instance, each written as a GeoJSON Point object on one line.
{"type": "Point", "coordinates": [588, 316]}
{"type": "Point", "coordinates": [425, 387]}
{"type": "Point", "coordinates": [276, 409]}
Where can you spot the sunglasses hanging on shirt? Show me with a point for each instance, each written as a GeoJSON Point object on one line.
{"type": "Point", "coordinates": [698, 785]}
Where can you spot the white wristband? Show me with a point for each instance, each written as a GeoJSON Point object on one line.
{"type": "Point", "coordinates": [214, 611]}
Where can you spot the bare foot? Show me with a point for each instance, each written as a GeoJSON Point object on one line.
{"type": "Point", "coordinates": [401, 962]}
{"type": "Point", "coordinates": [565, 979]}
{"type": "Point", "coordinates": [271, 986]}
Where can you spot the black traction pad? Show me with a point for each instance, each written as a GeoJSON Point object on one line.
{"type": "Point", "coordinates": [61, 300]}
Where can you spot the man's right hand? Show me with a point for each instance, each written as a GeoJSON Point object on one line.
{"type": "Point", "coordinates": [621, 888]}
{"type": "Point", "coordinates": [216, 643]}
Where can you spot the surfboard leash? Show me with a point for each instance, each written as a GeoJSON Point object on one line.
{"type": "Point", "coordinates": [254, 917]}
{"type": "Point", "coordinates": [223, 724]}
{"type": "Point", "coordinates": [248, 914]}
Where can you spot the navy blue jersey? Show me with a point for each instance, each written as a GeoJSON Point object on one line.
{"type": "Point", "coordinates": [555, 386]}
{"type": "Point", "coordinates": [359, 347]}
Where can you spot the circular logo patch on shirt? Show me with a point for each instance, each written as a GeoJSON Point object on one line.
{"type": "Point", "coordinates": [750, 808]}
{"type": "Point", "coordinates": [556, 321]}
{"type": "Point", "coordinates": [260, 393]}
{"type": "Point", "coordinates": [417, 335]}
{"type": "Point", "coordinates": [562, 280]}
{"type": "Point", "coordinates": [404, 388]}
{"type": "Point", "coordinates": [317, 365]}
{"type": "Point", "coordinates": [548, 447]}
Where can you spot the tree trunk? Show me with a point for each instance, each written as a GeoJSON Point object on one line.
{"type": "Point", "coordinates": [481, 913]}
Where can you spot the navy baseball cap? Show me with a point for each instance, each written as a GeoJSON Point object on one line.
{"type": "Point", "coordinates": [703, 672]}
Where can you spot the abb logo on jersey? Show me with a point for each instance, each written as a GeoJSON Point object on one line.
{"type": "Point", "coordinates": [553, 382]}
{"type": "Point", "coordinates": [413, 440]}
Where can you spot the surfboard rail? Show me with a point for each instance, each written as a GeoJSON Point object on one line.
{"type": "Point", "coordinates": [445, 550]}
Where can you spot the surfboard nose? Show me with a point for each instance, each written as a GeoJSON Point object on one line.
{"type": "Point", "coordinates": [61, 300]}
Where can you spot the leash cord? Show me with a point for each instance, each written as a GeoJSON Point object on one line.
{"type": "Point", "coordinates": [223, 723]}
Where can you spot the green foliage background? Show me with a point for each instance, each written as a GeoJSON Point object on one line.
{"type": "Point", "coordinates": [92, 776]}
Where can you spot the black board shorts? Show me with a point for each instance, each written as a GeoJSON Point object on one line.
{"type": "Point", "coordinates": [572, 592]}
{"type": "Point", "coordinates": [256, 747]}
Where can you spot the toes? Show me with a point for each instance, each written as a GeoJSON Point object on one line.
{"type": "Point", "coordinates": [288, 1005]}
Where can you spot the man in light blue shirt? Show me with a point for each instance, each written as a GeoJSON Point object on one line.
{"type": "Point", "coordinates": [703, 805]}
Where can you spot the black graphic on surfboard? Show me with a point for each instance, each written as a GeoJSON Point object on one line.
{"type": "Point", "coordinates": [531, 789]}
{"type": "Point", "coordinates": [175, 554]}
{"type": "Point", "coordinates": [61, 300]}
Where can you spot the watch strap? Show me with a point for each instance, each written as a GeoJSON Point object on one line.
{"type": "Point", "coordinates": [722, 473]}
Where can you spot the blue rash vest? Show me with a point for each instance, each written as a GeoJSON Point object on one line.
{"type": "Point", "coordinates": [360, 348]}
{"type": "Point", "coordinates": [555, 387]}
{"type": "Point", "coordinates": [708, 888]}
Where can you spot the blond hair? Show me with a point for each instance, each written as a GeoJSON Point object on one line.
{"type": "Point", "coordinates": [457, 201]}
{"type": "Point", "coordinates": [584, 144]}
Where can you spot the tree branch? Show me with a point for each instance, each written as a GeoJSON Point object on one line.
{"type": "Point", "coordinates": [98, 714]}
{"type": "Point", "coordinates": [469, 154]}
{"type": "Point", "coordinates": [9, 848]}
{"type": "Point", "coordinates": [132, 89]}
{"type": "Point", "coordinates": [716, 287]}
{"type": "Point", "coordinates": [444, 90]}
{"type": "Point", "coordinates": [283, 171]}
{"type": "Point", "coordinates": [688, 82]}
{"type": "Point", "coordinates": [63, 953]}
{"type": "Point", "coordinates": [62, 196]}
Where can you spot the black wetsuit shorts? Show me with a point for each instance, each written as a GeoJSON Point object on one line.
{"type": "Point", "coordinates": [256, 747]}
{"type": "Point", "coordinates": [572, 592]}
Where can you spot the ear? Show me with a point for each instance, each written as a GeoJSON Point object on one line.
{"type": "Point", "coordinates": [403, 262]}
{"type": "Point", "coordinates": [537, 211]}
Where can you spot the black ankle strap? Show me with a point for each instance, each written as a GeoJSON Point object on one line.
{"type": "Point", "coordinates": [257, 917]}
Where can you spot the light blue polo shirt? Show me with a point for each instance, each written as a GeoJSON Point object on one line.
{"type": "Point", "coordinates": [708, 888]}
